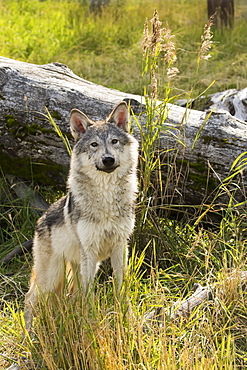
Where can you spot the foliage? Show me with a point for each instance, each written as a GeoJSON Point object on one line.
{"type": "Point", "coordinates": [167, 256]}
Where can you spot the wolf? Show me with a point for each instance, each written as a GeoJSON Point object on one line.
{"type": "Point", "coordinates": [95, 218]}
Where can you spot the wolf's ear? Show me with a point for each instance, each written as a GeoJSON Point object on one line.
{"type": "Point", "coordinates": [79, 123]}
{"type": "Point", "coordinates": [120, 116]}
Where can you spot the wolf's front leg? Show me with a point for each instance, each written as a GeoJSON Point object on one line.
{"type": "Point", "coordinates": [30, 302]}
{"type": "Point", "coordinates": [47, 276]}
{"type": "Point", "coordinates": [119, 261]}
{"type": "Point", "coordinates": [88, 269]}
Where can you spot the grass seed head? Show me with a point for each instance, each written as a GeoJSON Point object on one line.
{"type": "Point", "coordinates": [206, 40]}
{"type": "Point", "coordinates": [160, 41]}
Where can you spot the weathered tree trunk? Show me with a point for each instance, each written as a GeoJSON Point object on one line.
{"type": "Point", "coordinates": [30, 147]}
{"type": "Point", "coordinates": [96, 5]}
{"type": "Point", "coordinates": [224, 10]}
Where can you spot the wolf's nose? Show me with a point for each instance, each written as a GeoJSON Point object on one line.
{"type": "Point", "coordinates": [108, 161]}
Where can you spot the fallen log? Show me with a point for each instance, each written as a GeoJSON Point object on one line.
{"type": "Point", "coordinates": [30, 147]}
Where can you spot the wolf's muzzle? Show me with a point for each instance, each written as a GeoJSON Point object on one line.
{"type": "Point", "coordinates": [108, 161]}
{"type": "Point", "coordinates": [109, 164]}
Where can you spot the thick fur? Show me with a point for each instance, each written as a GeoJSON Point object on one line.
{"type": "Point", "coordinates": [96, 217]}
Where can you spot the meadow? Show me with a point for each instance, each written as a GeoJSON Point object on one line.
{"type": "Point", "coordinates": [105, 48]}
{"type": "Point", "coordinates": [167, 255]}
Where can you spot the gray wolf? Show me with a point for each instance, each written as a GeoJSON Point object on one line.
{"type": "Point", "coordinates": [96, 217]}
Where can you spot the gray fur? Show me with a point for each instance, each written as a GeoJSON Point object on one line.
{"type": "Point", "coordinates": [96, 217]}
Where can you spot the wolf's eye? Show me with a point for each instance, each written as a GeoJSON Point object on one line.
{"type": "Point", "coordinates": [94, 144]}
{"type": "Point", "coordinates": [114, 141]}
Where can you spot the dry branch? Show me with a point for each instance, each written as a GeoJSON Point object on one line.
{"type": "Point", "coordinates": [202, 295]}
{"type": "Point", "coordinates": [18, 251]}
{"type": "Point", "coordinates": [38, 205]}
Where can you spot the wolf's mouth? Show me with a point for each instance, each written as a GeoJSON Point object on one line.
{"type": "Point", "coordinates": [107, 169]}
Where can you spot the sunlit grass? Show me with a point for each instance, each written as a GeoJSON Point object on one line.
{"type": "Point", "coordinates": [106, 48]}
{"type": "Point", "coordinates": [167, 256]}
{"type": "Point", "coordinates": [111, 331]}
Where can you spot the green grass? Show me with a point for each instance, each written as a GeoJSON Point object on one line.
{"type": "Point", "coordinates": [167, 256]}
{"type": "Point", "coordinates": [106, 48]}
{"type": "Point", "coordinates": [113, 332]}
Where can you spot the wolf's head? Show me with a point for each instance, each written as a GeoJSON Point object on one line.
{"type": "Point", "coordinates": [103, 145]}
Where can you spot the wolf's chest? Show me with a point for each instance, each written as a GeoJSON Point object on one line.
{"type": "Point", "coordinates": [108, 204]}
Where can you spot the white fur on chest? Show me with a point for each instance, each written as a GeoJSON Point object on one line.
{"type": "Point", "coordinates": [96, 238]}
{"type": "Point", "coordinates": [106, 196]}
{"type": "Point", "coordinates": [107, 218]}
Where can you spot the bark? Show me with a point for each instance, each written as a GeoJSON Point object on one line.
{"type": "Point", "coordinates": [96, 5]}
{"type": "Point", "coordinates": [30, 147]}
{"type": "Point", "coordinates": [224, 10]}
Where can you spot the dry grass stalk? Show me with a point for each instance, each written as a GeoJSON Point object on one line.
{"type": "Point", "coordinates": [161, 40]}
{"type": "Point", "coordinates": [206, 40]}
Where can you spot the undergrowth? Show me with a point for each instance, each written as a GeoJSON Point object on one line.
{"type": "Point", "coordinates": [167, 257]}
